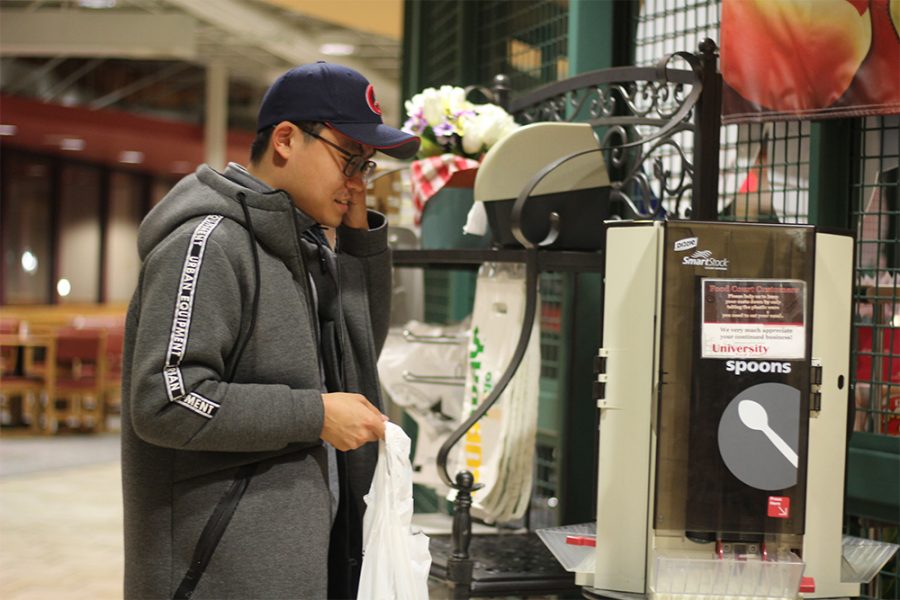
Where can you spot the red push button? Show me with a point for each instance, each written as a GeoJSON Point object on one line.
{"type": "Point", "coordinates": [807, 585]}
{"type": "Point", "coordinates": [581, 540]}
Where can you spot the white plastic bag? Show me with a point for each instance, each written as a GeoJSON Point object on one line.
{"type": "Point", "coordinates": [499, 449]}
{"type": "Point", "coordinates": [410, 362]}
{"type": "Point", "coordinates": [396, 561]}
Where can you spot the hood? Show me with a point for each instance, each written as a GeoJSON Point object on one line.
{"type": "Point", "coordinates": [276, 222]}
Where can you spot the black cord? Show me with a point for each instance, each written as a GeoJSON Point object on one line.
{"type": "Point", "coordinates": [255, 306]}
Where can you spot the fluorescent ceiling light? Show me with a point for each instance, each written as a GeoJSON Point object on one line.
{"type": "Point", "coordinates": [8, 129]}
{"type": "Point", "coordinates": [29, 262]}
{"type": "Point", "coordinates": [63, 287]}
{"type": "Point", "coordinates": [131, 157]}
{"type": "Point", "coordinates": [96, 3]}
{"type": "Point", "coordinates": [71, 144]}
{"type": "Point", "coordinates": [337, 49]}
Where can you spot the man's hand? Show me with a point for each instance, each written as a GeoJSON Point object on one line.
{"type": "Point", "coordinates": [350, 421]}
{"type": "Point", "coordinates": [357, 217]}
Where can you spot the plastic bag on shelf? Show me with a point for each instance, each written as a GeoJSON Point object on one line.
{"type": "Point", "coordinates": [422, 369]}
{"type": "Point", "coordinates": [499, 449]}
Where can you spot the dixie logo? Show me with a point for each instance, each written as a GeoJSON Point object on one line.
{"type": "Point", "coordinates": [756, 366]}
{"type": "Point", "coordinates": [685, 244]}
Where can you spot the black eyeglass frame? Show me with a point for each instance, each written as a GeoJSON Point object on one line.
{"type": "Point", "coordinates": [356, 163]}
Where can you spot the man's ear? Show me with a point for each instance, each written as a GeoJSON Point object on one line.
{"type": "Point", "coordinates": [283, 140]}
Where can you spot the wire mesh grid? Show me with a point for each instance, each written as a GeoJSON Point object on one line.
{"type": "Point", "coordinates": [551, 319]}
{"type": "Point", "coordinates": [667, 26]}
{"type": "Point", "coordinates": [449, 295]}
{"type": "Point", "coordinates": [544, 511]}
{"type": "Point", "coordinates": [764, 172]}
{"type": "Point", "coordinates": [439, 44]}
{"type": "Point", "coordinates": [764, 167]}
{"type": "Point", "coordinates": [664, 27]}
{"type": "Point", "coordinates": [876, 320]}
{"type": "Point", "coordinates": [876, 213]}
{"type": "Point", "coordinates": [525, 40]}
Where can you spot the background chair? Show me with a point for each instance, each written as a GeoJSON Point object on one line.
{"type": "Point", "coordinates": [8, 354]}
{"type": "Point", "coordinates": [80, 367]}
{"type": "Point", "coordinates": [112, 381]}
{"type": "Point", "coordinates": [22, 386]}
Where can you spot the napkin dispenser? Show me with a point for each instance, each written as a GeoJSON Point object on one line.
{"type": "Point", "coordinates": [576, 190]}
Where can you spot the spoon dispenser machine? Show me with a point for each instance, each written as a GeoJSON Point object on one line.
{"type": "Point", "coordinates": [722, 389]}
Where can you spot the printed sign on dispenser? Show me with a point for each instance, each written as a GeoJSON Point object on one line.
{"type": "Point", "coordinates": [779, 507]}
{"type": "Point", "coordinates": [754, 318]}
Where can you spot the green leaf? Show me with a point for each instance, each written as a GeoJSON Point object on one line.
{"type": "Point", "coordinates": [428, 148]}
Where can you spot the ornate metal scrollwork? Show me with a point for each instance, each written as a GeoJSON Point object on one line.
{"type": "Point", "coordinates": [653, 176]}
{"type": "Point", "coordinates": [644, 115]}
{"type": "Point", "coordinates": [655, 100]}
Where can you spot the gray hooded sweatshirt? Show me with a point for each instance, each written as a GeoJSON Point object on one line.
{"type": "Point", "coordinates": [186, 429]}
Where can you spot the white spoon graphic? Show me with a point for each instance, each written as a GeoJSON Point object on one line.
{"type": "Point", "coordinates": [753, 414]}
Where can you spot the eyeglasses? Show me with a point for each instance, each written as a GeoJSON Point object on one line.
{"type": "Point", "coordinates": [356, 163]}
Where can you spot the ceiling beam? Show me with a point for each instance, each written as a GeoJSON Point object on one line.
{"type": "Point", "coordinates": [277, 37]}
{"type": "Point", "coordinates": [71, 79]}
{"type": "Point", "coordinates": [35, 75]}
{"type": "Point", "coordinates": [122, 35]}
{"type": "Point", "coordinates": [135, 86]}
{"type": "Point", "coordinates": [96, 34]}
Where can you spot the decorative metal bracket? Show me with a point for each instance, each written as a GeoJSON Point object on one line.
{"type": "Point", "coordinates": [641, 110]}
{"type": "Point", "coordinates": [531, 290]}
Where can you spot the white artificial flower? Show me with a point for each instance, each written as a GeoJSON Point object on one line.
{"type": "Point", "coordinates": [452, 123]}
{"type": "Point", "coordinates": [491, 125]}
{"type": "Point", "coordinates": [432, 106]}
{"type": "Point", "coordinates": [414, 104]}
{"type": "Point", "coordinates": [472, 134]}
{"type": "Point", "coordinates": [495, 124]}
{"type": "Point", "coordinates": [454, 99]}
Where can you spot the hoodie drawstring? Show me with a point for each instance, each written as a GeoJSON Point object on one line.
{"type": "Point", "coordinates": [256, 278]}
{"type": "Point", "coordinates": [317, 236]}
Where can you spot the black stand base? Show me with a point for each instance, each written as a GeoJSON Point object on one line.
{"type": "Point", "coordinates": [503, 564]}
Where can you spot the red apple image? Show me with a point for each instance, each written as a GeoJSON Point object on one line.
{"type": "Point", "coordinates": [794, 55]}
{"type": "Point", "coordinates": [877, 82]}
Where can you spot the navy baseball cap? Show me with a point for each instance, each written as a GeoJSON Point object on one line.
{"type": "Point", "coordinates": [341, 98]}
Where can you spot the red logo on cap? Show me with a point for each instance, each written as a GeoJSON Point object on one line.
{"type": "Point", "coordinates": [371, 101]}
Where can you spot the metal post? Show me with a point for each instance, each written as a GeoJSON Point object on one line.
{"type": "Point", "coordinates": [215, 132]}
{"type": "Point", "coordinates": [707, 123]}
{"type": "Point", "coordinates": [501, 91]}
{"type": "Point", "coordinates": [459, 565]}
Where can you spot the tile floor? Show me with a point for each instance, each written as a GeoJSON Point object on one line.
{"type": "Point", "coordinates": [60, 517]}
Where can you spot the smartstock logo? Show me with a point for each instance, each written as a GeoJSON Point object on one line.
{"type": "Point", "coordinates": [704, 258]}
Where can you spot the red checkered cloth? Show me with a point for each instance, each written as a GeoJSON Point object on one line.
{"type": "Point", "coordinates": [430, 174]}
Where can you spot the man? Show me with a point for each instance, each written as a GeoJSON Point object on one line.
{"type": "Point", "coordinates": [250, 394]}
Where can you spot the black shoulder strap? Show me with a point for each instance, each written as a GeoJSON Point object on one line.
{"type": "Point", "coordinates": [213, 531]}
{"type": "Point", "coordinates": [221, 516]}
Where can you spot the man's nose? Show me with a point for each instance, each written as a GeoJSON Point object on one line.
{"type": "Point", "coordinates": [356, 183]}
